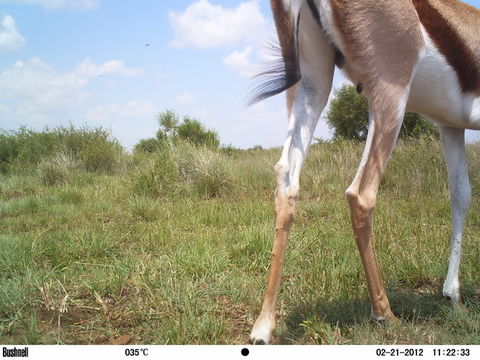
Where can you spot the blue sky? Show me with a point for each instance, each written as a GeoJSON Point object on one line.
{"type": "Point", "coordinates": [118, 63]}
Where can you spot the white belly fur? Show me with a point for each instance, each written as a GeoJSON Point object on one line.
{"type": "Point", "coordinates": [435, 92]}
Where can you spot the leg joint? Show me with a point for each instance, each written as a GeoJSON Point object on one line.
{"type": "Point", "coordinates": [286, 188]}
{"type": "Point", "coordinates": [360, 204]}
{"type": "Point", "coordinates": [281, 170]}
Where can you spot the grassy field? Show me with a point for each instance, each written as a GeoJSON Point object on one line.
{"type": "Point", "coordinates": [174, 248]}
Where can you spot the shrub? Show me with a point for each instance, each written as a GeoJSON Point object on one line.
{"type": "Point", "coordinates": [99, 155]}
{"type": "Point", "coordinates": [193, 131]}
{"type": "Point", "coordinates": [348, 117]}
{"type": "Point", "coordinates": [173, 131]}
{"type": "Point", "coordinates": [184, 168]}
{"type": "Point", "coordinates": [207, 171]}
{"type": "Point", "coordinates": [149, 145]}
{"type": "Point", "coordinates": [231, 150]}
{"type": "Point", "coordinates": [22, 150]}
{"type": "Point", "coordinates": [54, 171]}
{"type": "Point", "coordinates": [156, 176]}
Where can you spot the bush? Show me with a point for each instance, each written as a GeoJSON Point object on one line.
{"type": "Point", "coordinates": [101, 156]}
{"type": "Point", "coordinates": [54, 171]}
{"type": "Point", "coordinates": [207, 170]}
{"type": "Point", "coordinates": [23, 150]}
{"type": "Point", "coordinates": [156, 176]}
{"type": "Point", "coordinates": [348, 118]}
{"type": "Point", "coordinates": [194, 132]}
{"type": "Point", "coordinates": [149, 145]}
{"type": "Point", "coordinates": [231, 150]}
{"type": "Point", "coordinates": [348, 114]}
{"type": "Point", "coordinates": [183, 168]}
{"type": "Point", "coordinates": [172, 131]}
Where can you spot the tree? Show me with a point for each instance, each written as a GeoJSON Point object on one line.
{"type": "Point", "coordinates": [415, 126]}
{"type": "Point", "coordinates": [168, 122]}
{"type": "Point", "coordinates": [171, 130]}
{"type": "Point", "coordinates": [348, 114]}
{"type": "Point", "coordinates": [348, 117]}
{"type": "Point", "coordinates": [193, 131]}
{"type": "Point", "coordinates": [149, 145]}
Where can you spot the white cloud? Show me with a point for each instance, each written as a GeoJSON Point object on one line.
{"type": "Point", "coordinates": [239, 62]}
{"type": "Point", "coordinates": [260, 124]}
{"type": "Point", "coordinates": [185, 99]}
{"type": "Point", "coordinates": [88, 68]}
{"type": "Point", "coordinates": [57, 4]}
{"type": "Point", "coordinates": [10, 38]}
{"type": "Point", "coordinates": [34, 86]}
{"type": "Point", "coordinates": [135, 108]}
{"type": "Point", "coordinates": [204, 25]}
{"type": "Point", "coordinates": [33, 89]}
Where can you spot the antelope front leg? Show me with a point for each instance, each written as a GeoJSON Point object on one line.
{"type": "Point", "coordinates": [453, 144]}
{"type": "Point", "coordinates": [385, 123]}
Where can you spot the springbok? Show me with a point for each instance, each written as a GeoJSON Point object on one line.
{"type": "Point", "coordinates": [417, 55]}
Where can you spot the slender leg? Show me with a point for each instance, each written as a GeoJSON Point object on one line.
{"type": "Point", "coordinates": [303, 120]}
{"type": "Point", "coordinates": [306, 102]}
{"type": "Point", "coordinates": [309, 99]}
{"type": "Point", "coordinates": [453, 144]}
{"type": "Point", "coordinates": [385, 123]}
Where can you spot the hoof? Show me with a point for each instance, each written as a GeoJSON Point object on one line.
{"type": "Point", "coordinates": [451, 291]}
{"type": "Point", "coordinates": [393, 320]}
{"type": "Point", "coordinates": [454, 298]}
{"type": "Point", "coordinates": [262, 332]}
{"type": "Point", "coordinates": [256, 342]}
{"type": "Point", "coordinates": [388, 319]}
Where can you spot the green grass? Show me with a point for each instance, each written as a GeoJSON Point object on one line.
{"type": "Point", "coordinates": [175, 249]}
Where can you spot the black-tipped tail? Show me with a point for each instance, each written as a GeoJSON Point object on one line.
{"type": "Point", "coordinates": [283, 72]}
{"type": "Point", "coordinates": [279, 75]}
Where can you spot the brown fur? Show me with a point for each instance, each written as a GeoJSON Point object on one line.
{"type": "Point", "coordinates": [285, 25]}
{"type": "Point", "coordinates": [449, 32]}
{"type": "Point", "coordinates": [382, 41]}
{"type": "Point", "coordinates": [369, 28]}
